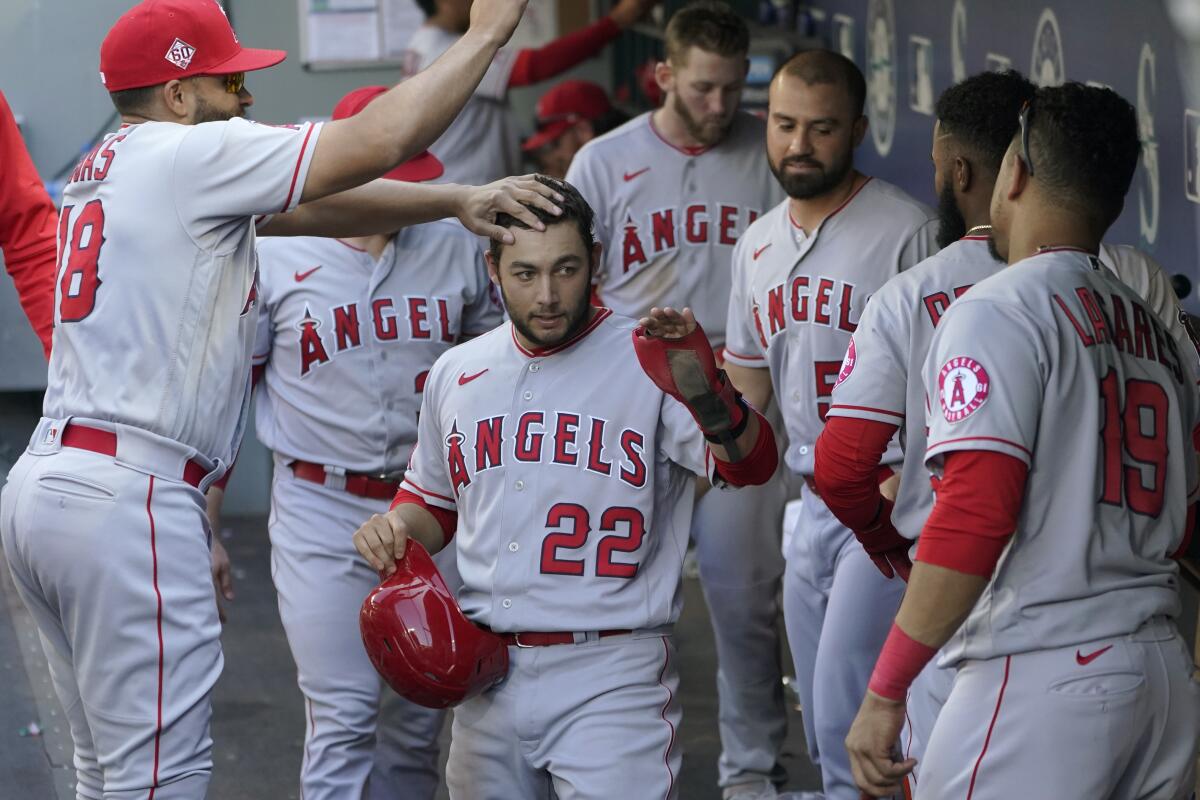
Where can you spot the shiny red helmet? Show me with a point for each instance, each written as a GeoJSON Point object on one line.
{"type": "Point", "coordinates": [420, 641]}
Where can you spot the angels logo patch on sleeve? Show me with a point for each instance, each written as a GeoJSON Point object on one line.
{"type": "Point", "coordinates": [847, 364]}
{"type": "Point", "coordinates": [963, 387]}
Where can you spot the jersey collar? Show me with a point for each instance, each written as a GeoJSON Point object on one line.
{"type": "Point", "coordinates": [831, 214]}
{"type": "Point", "coordinates": [687, 151]}
{"type": "Point", "coordinates": [540, 352]}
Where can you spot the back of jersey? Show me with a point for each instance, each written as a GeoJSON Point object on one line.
{"type": "Point", "coordinates": [1055, 362]}
{"type": "Point", "coordinates": [156, 286]}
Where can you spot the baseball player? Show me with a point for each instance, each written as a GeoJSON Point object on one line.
{"type": "Point", "coordinates": [568, 469]}
{"type": "Point", "coordinates": [347, 333]}
{"type": "Point", "coordinates": [28, 221]}
{"type": "Point", "coordinates": [569, 116]}
{"type": "Point", "coordinates": [881, 389]}
{"type": "Point", "coordinates": [673, 191]}
{"type": "Point", "coordinates": [1061, 422]}
{"type": "Point", "coordinates": [481, 145]}
{"type": "Point", "coordinates": [103, 517]}
{"type": "Point", "coordinates": [801, 277]}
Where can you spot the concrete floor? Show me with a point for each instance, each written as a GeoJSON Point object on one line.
{"type": "Point", "coordinates": [258, 725]}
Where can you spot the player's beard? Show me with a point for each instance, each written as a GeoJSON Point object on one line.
{"type": "Point", "coordinates": [577, 319]}
{"type": "Point", "coordinates": [952, 225]}
{"type": "Point", "coordinates": [206, 112]}
{"type": "Point", "coordinates": [708, 132]}
{"type": "Point", "coordinates": [994, 251]}
{"type": "Point", "coordinates": [816, 183]}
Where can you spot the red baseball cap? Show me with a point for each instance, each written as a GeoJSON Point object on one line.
{"type": "Point", "coordinates": [424, 166]}
{"type": "Point", "coordinates": [563, 106]}
{"type": "Point", "coordinates": [161, 40]}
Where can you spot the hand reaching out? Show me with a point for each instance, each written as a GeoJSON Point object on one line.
{"type": "Point", "coordinates": [667, 323]}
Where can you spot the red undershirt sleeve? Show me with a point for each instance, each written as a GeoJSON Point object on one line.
{"type": "Point", "coordinates": [757, 467]}
{"type": "Point", "coordinates": [28, 230]}
{"type": "Point", "coordinates": [447, 520]}
{"type": "Point", "coordinates": [847, 471]}
{"type": "Point", "coordinates": [534, 65]}
{"type": "Point", "coordinates": [978, 501]}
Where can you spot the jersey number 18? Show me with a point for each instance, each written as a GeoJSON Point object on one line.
{"type": "Point", "coordinates": [80, 252]}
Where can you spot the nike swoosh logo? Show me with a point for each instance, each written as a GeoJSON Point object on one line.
{"type": "Point", "coordinates": [631, 175]}
{"type": "Point", "coordinates": [464, 379]}
{"type": "Point", "coordinates": [1083, 660]}
{"type": "Point", "coordinates": [299, 276]}
{"type": "Point", "coordinates": [759, 251]}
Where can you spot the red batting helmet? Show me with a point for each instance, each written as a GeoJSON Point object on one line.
{"type": "Point", "coordinates": [420, 641]}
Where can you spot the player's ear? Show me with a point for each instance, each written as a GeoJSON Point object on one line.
{"type": "Point", "coordinates": [1018, 174]}
{"type": "Point", "coordinates": [859, 129]}
{"type": "Point", "coordinates": [963, 174]}
{"type": "Point", "coordinates": [492, 258]}
{"type": "Point", "coordinates": [175, 96]}
{"type": "Point", "coordinates": [664, 76]}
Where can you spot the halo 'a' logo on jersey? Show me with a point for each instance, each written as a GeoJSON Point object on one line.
{"type": "Point", "coordinates": [456, 462]}
{"type": "Point", "coordinates": [963, 387]}
{"type": "Point", "coordinates": [1047, 67]}
{"type": "Point", "coordinates": [180, 54]}
{"type": "Point", "coordinates": [847, 363]}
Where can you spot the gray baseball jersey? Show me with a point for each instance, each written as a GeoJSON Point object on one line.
{"type": "Point", "coordinates": [890, 345]}
{"type": "Point", "coordinates": [797, 298]}
{"type": "Point", "coordinates": [481, 145]}
{"type": "Point", "coordinates": [572, 477]}
{"type": "Point", "coordinates": [1057, 363]}
{"type": "Point", "coordinates": [348, 357]}
{"type": "Point", "coordinates": [174, 362]}
{"type": "Point", "coordinates": [669, 218]}
{"type": "Point", "coordinates": [1137, 270]}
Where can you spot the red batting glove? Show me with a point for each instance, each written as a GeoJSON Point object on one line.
{"type": "Point", "coordinates": [885, 545]}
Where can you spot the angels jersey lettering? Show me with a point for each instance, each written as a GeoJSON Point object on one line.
{"type": "Point", "coordinates": [890, 344]}
{"type": "Point", "coordinates": [168, 207]}
{"type": "Point", "coordinates": [669, 218]}
{"type": "Point", "coordinates": [350, 340]}
{"type": "Point", "coordinates": [1086, 386]}
{"type": "Point", "coordinates": [574, 500]}
{"type": "Point", "coordinates": [797, 298]}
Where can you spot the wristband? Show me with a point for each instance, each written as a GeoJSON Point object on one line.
{"type": "Point", "coordinates": [900, 661]}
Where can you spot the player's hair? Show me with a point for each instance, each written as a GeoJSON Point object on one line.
{"type": "Point", "coordinates": [828, 67]}
{"type": "Point", "coordinates": [1083, 142]}
{"type": "Point", "coordinates": [429, 7]}
{"type": "Point", "coordinates": [613, 118]}
{"type": "Point", "coordinates": [710, 25]}
{"type": "Point", "coordinates": [981, 112]}
{"type": "Point", "coordinates": [133, 101]}
{"type": "Point", "coordinates": [574, 210]}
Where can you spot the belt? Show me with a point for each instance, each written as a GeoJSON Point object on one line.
{"type": "Point", "coordinates": [104, 442]}
{"type": "Point", "coordinates": [544, 638]}
{"type": "Point", "coordinates": [377, 487]}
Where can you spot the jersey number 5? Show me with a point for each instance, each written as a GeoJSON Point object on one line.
{"type": "Point", "coordinates": [81, 256]}
{"type": "Point", "coordinates": [1139, 429]}
{"type": "Point", "coordinates": [577, 519]}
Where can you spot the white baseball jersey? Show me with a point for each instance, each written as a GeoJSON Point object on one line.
{"type": "Point", "coordinates": [155, 303]}
{"type": "Point", "coordinates": [348, 341]}
{"type": "Point", "coordinates": [481, 145]}
{"type": "Point", "coordinates": [669, 218]}
{"type": "Point", "coordinates": [797, 298]}
{"type": "Point", "coordinates": [572, 477]}
{"type": "Point", "coordinates": [1057, 363]}
{"type": "Point", "coordinates": [1140, 272]}
{"type": "Point", "coordinates": [890, 345]}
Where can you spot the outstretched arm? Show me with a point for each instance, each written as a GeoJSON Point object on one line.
{"type": "Point", "coordinates": [386, 206]}
{"type": "Point", "coordinates": [408, 118]}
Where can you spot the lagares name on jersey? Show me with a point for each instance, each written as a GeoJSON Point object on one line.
{"type": "Point", "coordinates": [1122, 324]}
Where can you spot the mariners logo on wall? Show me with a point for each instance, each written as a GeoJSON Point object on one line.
{"type": "Point", "coordinates": [881, 73]}
{"type": "Point", "coordinates": [963, 387]}
{"type": "Point", "coordinates": [1047, 67]}
{"type": "Point", "coordinates": [847, 363]}
{"type": "Point", "coordinates": [1148, 190]}
{"type": "Point", "coordinates": [958, 41]}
